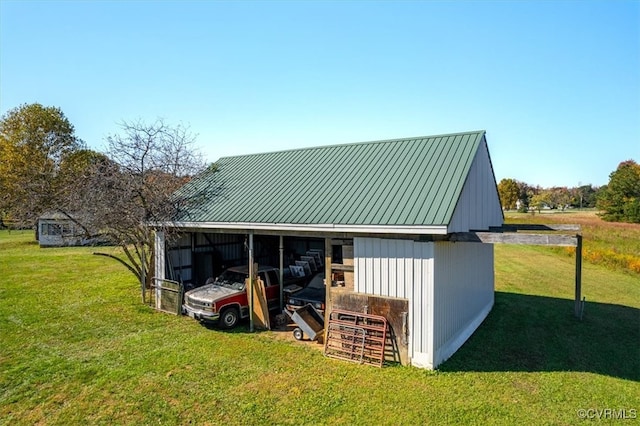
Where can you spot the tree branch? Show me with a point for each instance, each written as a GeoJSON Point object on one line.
{"type": "Point", "coordinates": [129, 267]}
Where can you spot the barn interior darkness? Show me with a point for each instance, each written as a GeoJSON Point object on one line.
{"type": "Point", "coordinates": [193, 257]}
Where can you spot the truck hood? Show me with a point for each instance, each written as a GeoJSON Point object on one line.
{"type": "Point", "coordinates": [211, 293]}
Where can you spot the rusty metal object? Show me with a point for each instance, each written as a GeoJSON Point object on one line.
{"type": "Point", "coordinates": [395, 310]}
{"type": "Point", "coordinates": [309, 321]}
{"type": "Point", "coordinates": [357, 337]}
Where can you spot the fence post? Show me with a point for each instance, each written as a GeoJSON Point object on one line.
{"type": "Point", "coordinates": [578, 302]}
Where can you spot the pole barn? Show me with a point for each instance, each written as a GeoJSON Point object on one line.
{"type": "Point", "coordinates": [387, 216]}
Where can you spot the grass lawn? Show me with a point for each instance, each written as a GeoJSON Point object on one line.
{"type": "Point", "coordinates": [78, 347]}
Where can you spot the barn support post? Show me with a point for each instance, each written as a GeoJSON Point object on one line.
{"type": "Point", "coordinates": [143, 275]}
{"type": "Point", "coordinates": [328, 256]}
{"type": "Point", "coordinates": [160, 265]}
{"type": "Point", "coordinates": [577, 303]}
{"type": "Point", "coordinates": [281, 272]}
{"type": "Point", "coordinates": [251, 273]}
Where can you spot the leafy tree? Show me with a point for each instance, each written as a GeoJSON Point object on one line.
{"type": "Point", "coordinates": [539, 200]}
{"type": "Point", "coordinates": [556, 197]}
{"type": "Point", "coordinates": [526, 192]}
{"type": "Point", "coordinates": [583, 196]}
{"type": "Point", "coordinates": [34, 142]}
{"type": "Point", "coordinates": [598, 195]}
{"type": "Point", "coordinates": [134, 185]}
{"type": "Point", "coordinates": [75, 166]}
{"type": "Point", "coordinates": [620, 199]}
{"type": "Point", "coordinates": [509, 192]}
{"type": "Point", "coordinates": [559, 197]}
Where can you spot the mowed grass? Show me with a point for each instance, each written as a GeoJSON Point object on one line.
{"type": "Point", "coordinates": [78, 347]}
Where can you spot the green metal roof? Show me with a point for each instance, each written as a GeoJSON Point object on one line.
{"type": "Point", "coordinates": [401, 182]}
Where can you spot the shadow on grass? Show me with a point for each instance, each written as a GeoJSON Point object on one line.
{"type": "Point", "coordinates": [241, 328]}
{"type": "Point", "coordinates": [535, 333]}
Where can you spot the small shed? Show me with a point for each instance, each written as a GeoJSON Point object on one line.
{"type": "Point", "coordinates": [56, 229]}
{"type": "Point", "coordinates": [382, 213]}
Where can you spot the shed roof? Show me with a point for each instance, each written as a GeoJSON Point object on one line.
{"type": "Point", "coordinates": [402, 183]}
{"type": "Point", "coordinates": [55, 215]}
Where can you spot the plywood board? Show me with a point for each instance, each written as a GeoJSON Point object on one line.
{"type": "Point", "coordinates": [260, 307]}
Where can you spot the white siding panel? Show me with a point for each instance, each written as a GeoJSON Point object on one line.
{"type": "Point", "coordinates": [422, 303]}
{"type": "Point", "coordinates": [404, 269]}
{"type": "Point", "coordinates": [386, 267]}
{"type": "Point", "coordinates": [407, 261]}
{"type": "Point", "coordinates": [450, 288]}
{"type": "Point", "coordinates": [368, 285]}
{"type": "Point", "coordinates": [479, 205]}
{"type": "Point", "coordinates": [160, 265]}
{"type": "Point", "coordinates": [464, 291]}
{"type": "Point", "coordinates": [377, 268]}
{"type": "Point", "coordinates": [392, 271]}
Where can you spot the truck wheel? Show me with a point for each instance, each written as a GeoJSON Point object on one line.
{"type": "Point", "coordinates": [229, 318]}
{"type": "Point", "coordinates": [297, 333]}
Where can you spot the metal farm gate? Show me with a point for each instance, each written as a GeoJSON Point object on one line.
{"type": "Point", "coordinates": [166, 296]}
{"type": "Point", "coordinates": [356, 337]}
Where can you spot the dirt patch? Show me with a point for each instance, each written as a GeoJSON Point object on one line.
{"type": "Point", "coordinates": [285, 332]}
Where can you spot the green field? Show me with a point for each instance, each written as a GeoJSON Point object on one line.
{"type": "Point", "coordinates": [78, 347]}
{"type": "Point", "coordinates": [615, 245]}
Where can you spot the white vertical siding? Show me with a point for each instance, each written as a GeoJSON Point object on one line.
{"type": "Point", "coordinates": [479, 205]}
{"type": "Point", "coordinates": [160, 255]}
{"type": "Point", "coordinates": [464, 294]}
{"type": "Point", "coordinates": [160, 244]}
{"type": "Point", "coordinates": [421, 304]}
{"type": "Point", "coordinates": [400, 269]}
{"type": "Point", "coordinates": [386, 267]}
{"type": "Point", "coordinates": [450, 288]}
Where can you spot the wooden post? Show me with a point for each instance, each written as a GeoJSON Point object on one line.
{"type": "Point", "coordinates": [281, 272]}
{"type": "Point", "coordinates": [328, 255]}
{"type": "Point", "coordinates": [160, 265]}
{"type": "Point", "coordinates": [251, 274]}
{"type": "Point", "coordinates": [143, 278]}
{"type": "Point", "coordinates": [578, 276]}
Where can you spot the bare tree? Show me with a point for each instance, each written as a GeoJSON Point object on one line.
{"type": "Point", "coordinates": [136, 185]}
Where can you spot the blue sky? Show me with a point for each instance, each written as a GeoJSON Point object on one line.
{"type": "Point", "coordinates": [555, 84]}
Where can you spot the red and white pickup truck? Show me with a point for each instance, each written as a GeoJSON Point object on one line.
{"type": "Point", "coordinates": [226, 301]}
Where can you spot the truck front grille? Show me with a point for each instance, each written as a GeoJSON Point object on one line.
{"type": "Point", "coordinates": [197, 304]}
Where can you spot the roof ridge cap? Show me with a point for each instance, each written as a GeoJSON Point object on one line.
{"type": "Point", "coordinates": [311, 148]}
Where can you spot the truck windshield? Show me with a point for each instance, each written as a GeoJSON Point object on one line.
{"type": "Point", "coordinates": [231, 279]}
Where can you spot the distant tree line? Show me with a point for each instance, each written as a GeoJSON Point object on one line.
{"type": "Point", "coordinates": [46, 168]}
{"type": "Point", "coordinates": [618, 201]}
{"type": "Point", "coordinates": [516, 195]}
